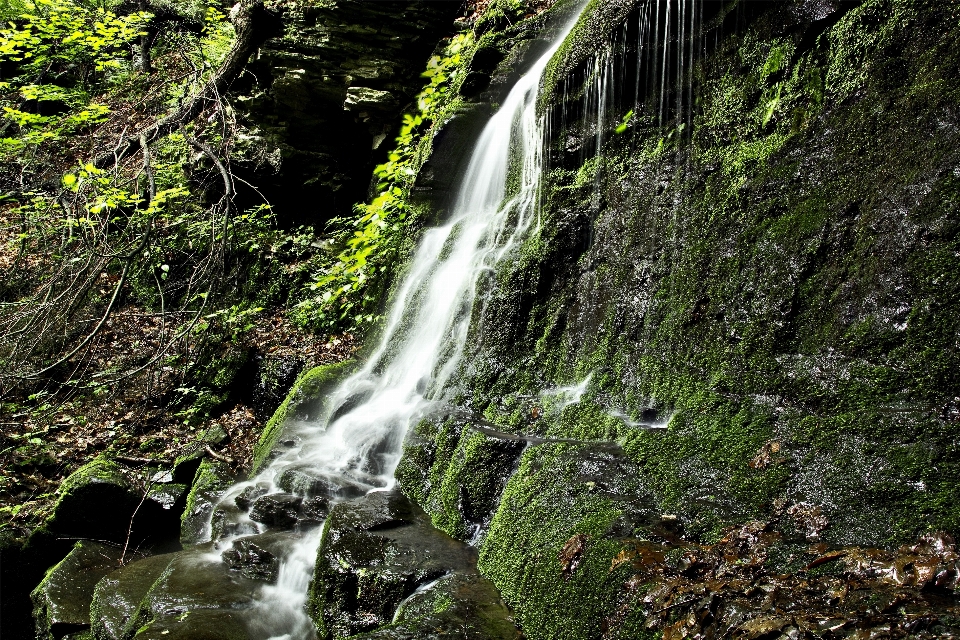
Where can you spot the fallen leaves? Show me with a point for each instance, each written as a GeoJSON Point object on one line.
{"type": "Point", "coordinates": [734, 589]}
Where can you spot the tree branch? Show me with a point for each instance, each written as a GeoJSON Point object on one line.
{"type": "Point", "coordinates": [253, 24]}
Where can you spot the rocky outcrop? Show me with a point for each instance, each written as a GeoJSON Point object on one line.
{"type": "Point", "coordinates": [378, 564]}
{"type": "Point", "coordinates": [755, 297]}
{"type": "Point", "coordinates": [328, 92]}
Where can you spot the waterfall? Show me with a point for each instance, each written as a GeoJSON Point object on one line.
{"type": "Point", "coordinates": [641, 75]}
{"type": "Point", "coordinates": [356, 445]}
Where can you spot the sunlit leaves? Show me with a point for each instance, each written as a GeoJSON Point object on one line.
{"type": "Point", "coordinates": [63, 31]}
{"type": "Point", "coordinates": [372, 239]}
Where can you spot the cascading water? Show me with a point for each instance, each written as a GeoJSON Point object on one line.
{"type": "Point", "coordinates": [355, 447]}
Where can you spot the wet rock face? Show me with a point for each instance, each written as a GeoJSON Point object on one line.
{"type": "Point", "coordinates": [115, 612]}
{"type": "Point", "coordinates": [468, 493]}
{"type": "Point", "coordinates": [328, 90]}
{"type": "Point", "coordinates": [461, 606]}
{"type": "Point", "coordinates": [277, 510]}
{"type": "Point", "coordinates": [376, 551]}
{"type": "Point", "coordinates": [62, 601]}
{"type": "Point", "coordinates": [252, 561]}
{"type": "Point", "coordinates": [210, 483]}
{"type": "Point", "coordinates": [201, 590]}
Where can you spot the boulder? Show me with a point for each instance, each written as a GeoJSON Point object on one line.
{"type": "Point", "coordinates": [375, 552]}
{"type": "Point", "coordinates": [307, 482]}
{"type": "Point", "coordinates": [196, 596]}
{"type": "Point", "coordinates": [211, 481]}
{"type": "Point", "coordinates": [115, 612]}
{"type": "Point", "coordinates": [461, 492]}
{"type": "Point", "coordinates": [460, 606]}
{"type": "Point", "coordinates": [364, 99]}
{"type": "Point", "coordinates": [256, 557]}
{"type": "Point", "coordinates": [99, 500]}
{"type": "Point", "coordinates": [62, 600]}
{"type": "Point", "coordinates": [252, 561]}
{"type": "Point", "coordinates": [217, 624]}
{"type": "Point", "coordinates": [305, 401]}
{"type": "Point", "coordinates": [277, 510]}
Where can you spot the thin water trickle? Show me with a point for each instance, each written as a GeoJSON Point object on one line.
{"type": "Point", "coordinates": [358, 443]}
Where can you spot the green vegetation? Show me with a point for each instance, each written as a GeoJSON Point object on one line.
{"type": "Point", "coordinates": [349, 292]}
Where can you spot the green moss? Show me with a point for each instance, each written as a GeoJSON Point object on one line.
{"type": "Point", "coordinates": [209, 483]}
{"type": "Point", "coordinates": [544, 506]}
{"type": "Point", "coordinates": [309, 387]}
{"type": "Point", "coordinates": [456, 474]}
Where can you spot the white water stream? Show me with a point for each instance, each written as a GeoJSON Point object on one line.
{"type": "Point", "coordinates": [359, 441]}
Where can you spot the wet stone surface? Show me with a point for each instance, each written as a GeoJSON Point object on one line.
{"type": "Point", "coordinates": [461, 606]}
{"type": "Point", "coordinates": [62, 601]}
{"type": "Point", "coordinates": [115, 612]}
{"type": "Point", "coordinates": [249, 495]}
{"type": "Point", "coordinates": [252, 560]}
{"type": "Point", "coordinates": [277, 510]}
{"type": "Point", "coordinates": [376, 552]}
{"type": "Point", "coordinates": [211, 481]}
{"type": "Point", "coordinates": [307, 482]}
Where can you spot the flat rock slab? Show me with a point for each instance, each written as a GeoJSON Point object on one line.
{"type": "Point", "coordinates": [116, 611]}
{"type": "Point", "coordinates": [196, 579]}
{"type": "Point", "coordinates": [216, 624]}
{"type": "Point", "coordinates": [62, 600]}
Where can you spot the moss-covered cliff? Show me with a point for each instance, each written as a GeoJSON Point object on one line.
{"type": "Point", "coordinates": [758, 291]}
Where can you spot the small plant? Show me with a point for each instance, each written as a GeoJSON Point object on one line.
{"type": "Point", "coordinates": [346, 291]}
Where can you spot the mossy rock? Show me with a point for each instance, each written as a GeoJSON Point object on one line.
{"type": "Point", "coordinates": [456, 473]}
{"type": "Point", "coordinates": [212, 479]}
{"type": "Point", "coordinates": [217, 624]}
{"type": "Point", "coordinates": [102, 501]}
{"type": "Point", "coordinates": [550, 545]}
{"type": "Point", "coordinates": [461, 606]}
{"type": "Point", "coordinates": [375, 552]}
{"type": "Point", "coordinates": [305, 400]}
{"type": "Point", "coordinates": [62, 600]}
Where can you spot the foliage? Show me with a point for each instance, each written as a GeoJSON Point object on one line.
{"type": "Point", "coordinates": [347, 291]}
{"type": "Point", "coordinates": [58, 52]}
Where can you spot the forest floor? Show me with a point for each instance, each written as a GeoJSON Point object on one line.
{"type": "Point", "coordinates": [137, 421]}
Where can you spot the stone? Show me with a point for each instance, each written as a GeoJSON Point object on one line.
{"type": "Point", "coordinates": [461, 492]}
{"type": "Point", "coordinates": [249, 495]}
{"type": "Point", "coordinates": [274, 378]}
{"type": "Point", "coordinates": [375, 552]}
{"type": "Point", "coordinates": [62, 600]}
{"type": "Point", "coordinates": [460, 606]}
{"type": "Point", "coordinates": [371, 50]}
{"type": "Point", "coordinates": [170, 497]}
{"type": "Point", "coordinates": [217, 624]}
{"type": "Point", "coordinates": [210, 482]}
{"type": "Point", "coordinates": [314, 511]}
{"type": "Point", "coordinates": [195, 581]}
{"type": "Point", "coordinates": [214, 435]}
{"type": "Point", "coordinates": [101, 499]}
{"type": "Point", "coordinates": [305, 481]}
{"type": "Point", "coordinates": [115, 612]}
{"type": "Point", "coordinates": [252, 561]}
{"type": "Point", "coordinates": [304, 402]}
{"type": "Point", "coordinates": [277, 510]}
{"type": "Point", "coordinates": [362, 99]}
